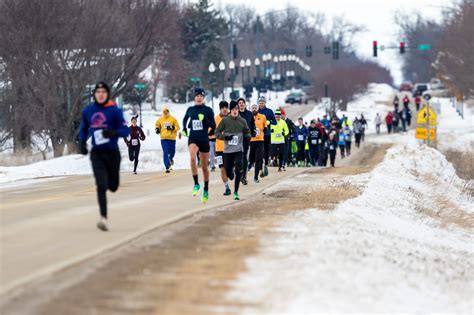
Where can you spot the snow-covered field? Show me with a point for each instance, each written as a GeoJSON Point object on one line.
{"type": "Point", "coordinates": [378, 252]}
{"type": "Point", "coordinates": [405, 244]}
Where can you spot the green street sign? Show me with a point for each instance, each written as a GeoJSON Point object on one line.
{"type": "Point", "coordinates": [195, 79]}
{"type": "Point", "coordinates": [139, 86]}
{"type": "Point", "coordinates": [424, 47]}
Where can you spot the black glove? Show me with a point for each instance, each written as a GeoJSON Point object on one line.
{"type": "Point", "coordinates": [109, 133]}
{"type": "Point", "coordinates": [229, 137]}
{"type": "Point", "coordinates": [253, 134]}
{"type": "Point", "coordinates": [272, 130]}
{"type": "Point", "coordinates": [157, 131]}
{"type": "Point", "coordinates": [283, 133]}
{"type": "Point", "coordinates": [169, 128]}
{"type": "Point", "coordinates": [83, 148]}
{"type": "Point", "coordinates": [211, 132]}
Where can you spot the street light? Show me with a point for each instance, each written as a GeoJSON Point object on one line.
{"type": "Point", "coordinates": [232, 67]}
{"type": "Point", "coordinates": [222, 69]}
{"type": "Point", "coordinates": [212, 69]}
{"type": "Point", "coordinates": [257, 66]}
{"type": "Point", "coordinates": [248, 63]}
{"type": "Point", "coordinates": [242, 66]}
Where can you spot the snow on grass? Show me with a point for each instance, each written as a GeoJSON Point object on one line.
{"type": "Point", "coordinates": [454, 132]}
{"type": "Point", "coordinates": [377, 252]}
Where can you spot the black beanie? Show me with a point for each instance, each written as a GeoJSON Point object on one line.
{"type": "Point", "coordinates": [199, 91]}
{"type": "Point", "coordinates": [241, 99]}
{"type": "Point", "coordinates": [232, 105]}
{"type": "Point", "coordinates": [223, 104]}
{"type": "Point", "coordinates": [102, 85]}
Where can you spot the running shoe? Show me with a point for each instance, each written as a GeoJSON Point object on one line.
{"type": "Point", "coordinates": [205, 196]}
{"type": "Point", "coordinates": [236, 196]}
{"type": "Point", "coordinates": [196, 190]}
{"type": "Point", "coordinates": [102, 224]}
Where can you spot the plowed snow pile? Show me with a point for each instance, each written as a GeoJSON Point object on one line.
{"type": "Point", "coordinates": [404, 244]}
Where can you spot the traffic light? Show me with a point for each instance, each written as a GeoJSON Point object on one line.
{"type": "Point", "coordinates": [309, 51]}
{"type": "Point", "coordinates": [375, 48]}
{"type": "Point", "coordinates": [335, 50]}
{"type": "Point", "coordinates": [402, 48]}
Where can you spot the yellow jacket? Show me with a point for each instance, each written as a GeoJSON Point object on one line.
{"type": "Point", "coordinates": [163, 122]}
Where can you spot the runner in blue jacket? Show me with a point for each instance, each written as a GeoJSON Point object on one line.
{"type": "Point", "coordinates": [270, 116]}
{"type": "Point", "coordinates": [104, 122]}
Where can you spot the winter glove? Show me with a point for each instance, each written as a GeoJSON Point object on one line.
{"type": "Point", "coordinates": [253, 134]}
{"type": "Point", "coordinates": [109, 133]}
{"type": "Point", "coordinates": [272, 130]}
{"type": "Point", "coordinates": [185, 132]}
{"type": "Point", "coordinates": [201, 117]}
{"type": "Point", "coordinates": [169, 128]}
{"type": "Point", "coordinates": [229, 137]}
{"type": "Point", "coordinates": [83, 148]}
{"type": "Point", "coordinates": [157, 131]}
{"type": "Point", "coordinates": [283, 133]}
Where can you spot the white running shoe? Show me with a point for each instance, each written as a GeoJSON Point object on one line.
{"type": "Point", "coordinates": [102, 224]}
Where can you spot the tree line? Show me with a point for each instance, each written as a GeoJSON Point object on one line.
{"type": "Point", "coordinates": [52, 52]}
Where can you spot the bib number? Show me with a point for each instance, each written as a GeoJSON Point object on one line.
{"type": "Point", "coordinates": [197, 125]}
{"type": "Point", "coordinates": [99, 137]}
{"type": "Point", "coordinates": [278, 135]}
{"type": "Point", "coordinates": [167, 124]}
{"type": "Point", "coordinates": [234, 141]}
{"type": "Point", "coordinates": [257, 131]}
{"type": "Point", "coordinates": [314, 141]}
{"type": "Point", "coordinates": [134, 141]}
{"type": "Point", "coordinates": [300, 138]}
{"type": "Point", "coordinates": [331, 147]}
{"type": "Point", "coordinates": [219, 160]}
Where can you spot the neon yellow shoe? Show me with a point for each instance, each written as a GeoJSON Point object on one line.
{"type": "Point", "coordinates": [196, 190]}
{"type": "Point", "coordinates": [205, 196]}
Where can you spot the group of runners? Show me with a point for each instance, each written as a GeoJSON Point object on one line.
{"type": "Point", "coordinates": [237, 142]}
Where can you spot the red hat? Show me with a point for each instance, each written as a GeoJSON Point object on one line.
{"type": "Point", "coordinates": [282, 111]}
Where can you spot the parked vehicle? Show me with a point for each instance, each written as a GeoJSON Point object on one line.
{"type": "Point", "coordinates": [294, 97]}
{"type": "Point", "coordinates": [406, 87]}
{"type": "Point", "coordinates": [420, 88]}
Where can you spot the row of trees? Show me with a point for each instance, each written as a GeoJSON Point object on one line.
{"type": "Point", "coordinates": [451, 58]}
{"type": "Point", "coordinates": [52, 52]}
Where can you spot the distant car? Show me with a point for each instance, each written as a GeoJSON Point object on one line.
{"type": "Point", "coordinates": [299, 98]}
{"type": "Point", "coordinates": [420, 88]}
{"type": "Point", "coordinates": [406, 87]}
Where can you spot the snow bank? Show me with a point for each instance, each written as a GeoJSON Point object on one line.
{"type": "Point", "coordinates": [378, 252]}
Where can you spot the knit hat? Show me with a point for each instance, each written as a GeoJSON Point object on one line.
{"type": "Point", "coordinates": [262, 99]}
{"type": "Point", "coordinates": [241, 99]}
{"type": "Point", "coordinates": [232, 105]}
{"type": "Point", "coordinates": [199, 91]}
{"type": "Point", "coordinates": [102, 85]}
{"type": "Point", "coordinates": [223, 104]}
{"type": "Point", "coordinates": [277, 112]}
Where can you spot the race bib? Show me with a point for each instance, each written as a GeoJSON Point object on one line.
{"type": "Point", "coordinates": [99, 137]}
{"type": "Point", "coordinates": [219, 160]}
{"type": "Point", "coordinates": [278, 135]}
{"type": "Point", "coordinates": [300, 138]}
{"type": "Point", "coordinates": [331, 147]}
{"type": "Point", "coordinates": [134, 141]}
{"type": "Point", "coordinates": [319, 140]}
{"type": "Point", "coordinates": [314, 141]}
{"type": "Point", "coordinates": [257, 132]}
{"type": "Point", "coordinates": [234, 141]}
{"type": "Point", "coordinates": [197, 125]}
{"type": "Point", "coordinates": [167, 124]}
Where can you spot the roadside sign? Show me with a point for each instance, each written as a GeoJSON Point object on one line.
{"type": "Point", "coordinates": [326, 102]}
{"type": "Point", "coordinates": [139, 86]}
{"type": "Point", "coordinates": [195, 79]}
{"type": "Point", "coordinates": [422, 117]}
{"type": "Point", "coordinates": [422, 133]}
{"type": "Point", "coordinates": [424, 47]}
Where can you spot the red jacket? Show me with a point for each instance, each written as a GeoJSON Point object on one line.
{"type": "Point", "coordinates": [389, 118]}
{"type": "Point", "coordinates": [137, 134]}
